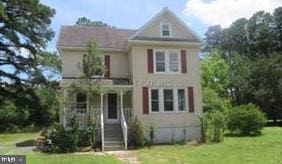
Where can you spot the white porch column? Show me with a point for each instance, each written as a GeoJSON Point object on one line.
{"type": "Point", "coordinates": [102, 120]}
{"type": "Point", "coordinates": [64, 112]}
{"type": "Point", "coordinates": [121, 101]}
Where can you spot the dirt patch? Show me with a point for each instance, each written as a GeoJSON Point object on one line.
{"type": "Point", "coordinates": [129, 156]}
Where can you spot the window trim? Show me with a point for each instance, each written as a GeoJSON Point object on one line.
{"type": "Point", "coordinates": [169, 29]}
{"type": "Point", "coordinates": [167, 62]}
{"type": "Point", "coordinates": [175, 101]}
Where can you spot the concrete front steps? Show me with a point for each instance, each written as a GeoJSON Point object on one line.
{"type": "Point", "coordinates": [113, 137]}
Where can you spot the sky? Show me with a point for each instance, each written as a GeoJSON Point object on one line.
{"type": "Point", "coordinates": [132, 14]}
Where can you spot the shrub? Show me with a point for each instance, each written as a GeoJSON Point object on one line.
{"type": "Point", "coordinates": [151, 134]}
{"type": "Point", "coordinates": [212, 125]}
{"type": "Point", "coordinates": [246, 120]}
{"type": "Point", "coordinates": [87, 136]}
{"type": "Point", "coordinates": [136, 135]}
{"type": "Point", "coordinates": [13, 118]}
{"type": "Point", "coordinates": [58, 140]}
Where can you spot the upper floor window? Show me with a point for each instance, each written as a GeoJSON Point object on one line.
{"type": "Point", "coordinates": [167, 61]}
{"type": "Point", "coordinates": [165, 30]}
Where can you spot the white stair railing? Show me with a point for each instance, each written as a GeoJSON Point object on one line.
{"type": "Point", "coordinates": [124, 129]}
{"type": "Point", "coordinates": [123, 122]}
{"type": "Point", "coordinates": [102, 122]}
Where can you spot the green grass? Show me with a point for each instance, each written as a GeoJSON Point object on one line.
{"type": "Point", "coordinates": [266, 148]}
{"type": "Point", "coordinates": [7, 147]}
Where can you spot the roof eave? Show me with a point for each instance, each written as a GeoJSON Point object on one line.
{"type": "Point", "coordinates": [81, 48]}
{"type": "Point", "coordinates": [162, 43]}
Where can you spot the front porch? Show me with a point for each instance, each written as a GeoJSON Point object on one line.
{"type": "Point", "coordinates": [110, 111]}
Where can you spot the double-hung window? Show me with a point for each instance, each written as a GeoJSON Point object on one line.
{"type": "Point", "coordinates": [181, 99]}
{"type": "Point", "coordinates": [168, 100]}
{"type": "Point", "coordinates": [165, 30]}
{"type": "Point", "coordinates": [155, 100]}
{"type": "Point", "coordinates": [160, 61]}
{"type": "Point", "coordinates": [173, 61]}
{"type": "Point", "coordinates": [167, 61]}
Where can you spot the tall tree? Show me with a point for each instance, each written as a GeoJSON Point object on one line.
{"type": "Point", "coordinates": [278, 28]}
{"type": "Point", "coordinates": [266, 85]}
{"type": "Point", "coordinates": [83, 21]}
{"type": "Point", "coordinates": [252, 48]}
{"type": "Point", "coordinates": [24, 30]}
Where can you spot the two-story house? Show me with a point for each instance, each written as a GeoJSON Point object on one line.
{"type": "Point", "coordinates": [153, 74]}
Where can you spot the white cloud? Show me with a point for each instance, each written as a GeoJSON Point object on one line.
{"type": "Point", "coordinates": [224, 12]}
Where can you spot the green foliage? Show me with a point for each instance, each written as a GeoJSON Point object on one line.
{"type": "Point", "coordinates": [92, 62]}
{"type": "Point", "coordinates": [83, 21]}
{"type": "Point", "coordinates": [136, 135]}
{"type": "Point", "coordinates": [151, 134]}
{"type": "Point", "coordinates": [58, 140]}
{"type": "Point", "coordinates": [50, 105]}
{"type": "Point", "coordinates": [91, 67]}
{"type": "Point", "coordinates": [252, 50]}
{"type": "Point", "coordinates": [11, 116]}
{"type": "Point", "coordinates": [266, 82]}
{"type": "Point", "coordinates": [87, 136]}
{"type": "Point", "coordinates": [246, 120]}
{"type": "Point", "coordinates": [212, 102]}
{"type": "Point", "coordinates": [215, 72]}
{"type": "Point", "coordinates": [252, 37]}
{"type": "Point", "coordinates": [16, 116]}
{"type": "Point", "coordinates": [212, 125]}
{"type": "Point", "coordinates": [25, 31]}
{"type": "Point", "coordinates": [27, 70]}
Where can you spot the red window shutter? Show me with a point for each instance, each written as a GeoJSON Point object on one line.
{"type": "Point", "coordinates": [183, 61]}
{"type": "Point", "coordinates": [191, 99]}
{"type": "Point", "coordinates": [108, 65]}
{"type": "Point", "coordinates": [150, 61]}
{"type": "Point", "coordinates": [145, 100]}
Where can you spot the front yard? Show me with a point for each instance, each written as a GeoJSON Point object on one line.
{"type": "Point", "coordinates": [7, 146]}
{"type": "Point", "coordinates": [266, 148]}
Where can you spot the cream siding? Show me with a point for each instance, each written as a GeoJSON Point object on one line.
{"type": "Point", "coordinates": [71, 58]}
{"type": "Point", "coordinates": [177, 30]}
{"type": "Point", "coordinates": [142, 78]}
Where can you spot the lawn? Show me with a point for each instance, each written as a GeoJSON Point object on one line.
{"type": "Point", "coordinates": [7, 146]}
{"type": "Point", "coordinates": [266, 148]}
{"type": "Point", "coordinates": [263, 149]}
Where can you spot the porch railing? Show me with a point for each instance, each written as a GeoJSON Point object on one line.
{"type": "Point", "coordinates": [82, 116]}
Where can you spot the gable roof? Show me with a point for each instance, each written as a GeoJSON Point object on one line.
{"type": "Point", "coordinates": [193, 37]}
{"type": "Point", "coordinates": [116, 38]}
{"type": "Point", "coordinates": [78, 36]}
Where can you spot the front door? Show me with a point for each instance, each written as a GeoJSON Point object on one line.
{"type": "Point", "coordinates": [112, 112]}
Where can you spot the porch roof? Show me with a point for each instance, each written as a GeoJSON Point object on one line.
{"type": "Point", "coordinates": [105, 83]}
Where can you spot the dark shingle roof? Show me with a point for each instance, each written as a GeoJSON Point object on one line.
{"type": "Point", "coordinates": [78, 36]}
